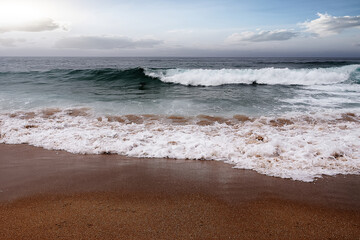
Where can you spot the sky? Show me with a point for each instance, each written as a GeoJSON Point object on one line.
{"type": "Point", "coordinates": [196, 28]}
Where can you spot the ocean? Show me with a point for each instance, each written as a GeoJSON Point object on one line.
{"type": "Point", "coordinates": [296, 118]}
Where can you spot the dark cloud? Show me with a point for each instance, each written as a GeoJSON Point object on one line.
{"type": "Point", "coordinates": [327, 25]}
{"type": "Point", "coordinates": [262, 36]}
{"type": "Point", "coordinates": [96, 42]}
{"type": "Point", "coordinates": [40, 25]}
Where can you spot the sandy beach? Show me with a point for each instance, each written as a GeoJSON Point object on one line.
{"type": "Point", "coordinates": [57, 195]}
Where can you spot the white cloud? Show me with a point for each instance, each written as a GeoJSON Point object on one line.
{"type": "Point", "coordinates": [44, 24]}
{"type": "Point", "coordinates": [102, 42]}
{"type": "Point", "coordinates": [262, 36]}
{"type": "Point", "coordinates": [327, 25]}
{"type": "Point", "coordinates": [10, 42]}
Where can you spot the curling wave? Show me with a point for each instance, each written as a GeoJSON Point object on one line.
{"type": "Point", "coordinates": [198, 77]}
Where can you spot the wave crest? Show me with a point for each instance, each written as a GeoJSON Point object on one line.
{"type": "Point", "coordinates": [269, 76]}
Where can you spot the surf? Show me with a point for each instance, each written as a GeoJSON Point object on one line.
{"type": "Point", "coordinates": [300, 146]}
{"type": "Point", "coordinates": [266, 76]}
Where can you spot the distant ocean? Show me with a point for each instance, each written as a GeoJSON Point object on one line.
{"type": "Point", "coordinates": [296, 118]}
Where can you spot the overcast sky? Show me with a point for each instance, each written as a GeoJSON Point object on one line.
{"type": "Point", "coordinates": [233, 28]}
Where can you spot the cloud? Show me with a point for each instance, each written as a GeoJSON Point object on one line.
{"type": "Point", "coordinates": [10, 42]}
{"type": "Point", "coordinates": [327, 25]}
{"type": "Point", "coordinates": [97, 42]}
{"type": "Point", "coordinates": [262, 36]}
{"type": "Point", "coordinates": [44, 24]}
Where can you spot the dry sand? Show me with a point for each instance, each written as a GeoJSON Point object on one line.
{"type": "Point", "coordinates": [57, 195]}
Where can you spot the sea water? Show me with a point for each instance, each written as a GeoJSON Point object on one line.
{"type": "Point", "coordinates": [295, 118]}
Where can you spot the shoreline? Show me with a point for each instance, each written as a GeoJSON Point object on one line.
{"type": "Point", "coordinates": [55, 194]}
{"type": "Point", "coordinates": [301, 147]}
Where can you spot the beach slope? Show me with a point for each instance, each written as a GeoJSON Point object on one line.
{"type": "Point", "coordinates": [57, 195]}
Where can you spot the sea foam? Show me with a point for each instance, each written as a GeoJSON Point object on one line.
{"type": "Point", "coordinates": [297, 146]}
{"type": "Point", "coordinates": [270, 76]}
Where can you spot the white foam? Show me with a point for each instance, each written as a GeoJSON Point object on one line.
{"type": "Point", "coordinates": [271, 76]}
{"type": "Point", "coordinates": [311, 146]}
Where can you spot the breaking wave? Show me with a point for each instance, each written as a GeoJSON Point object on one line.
{"type": "Point", "coordinates": [200, 77]}
{"type": "Point", "coordinates": [268, 76]}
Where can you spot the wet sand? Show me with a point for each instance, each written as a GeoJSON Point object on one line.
{"type": "Point", "coordinates": [57, 195]}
